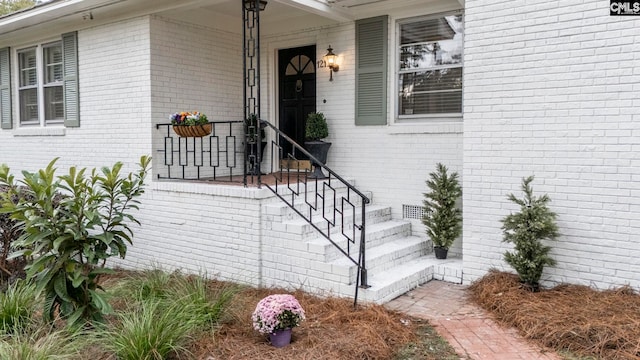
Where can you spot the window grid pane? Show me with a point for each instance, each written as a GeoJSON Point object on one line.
{"type": "Point", "coordinates": [52, 57]}
{"type": "Point", "coordinates": [28, 68]}
{"type": "Point", "coordinates": [53, 104]}
{"type": "Point", "coordinates": [29, 106]}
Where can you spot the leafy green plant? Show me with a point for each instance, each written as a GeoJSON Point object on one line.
{"type": "Point", "coordinates": [526, 229]}
{"type": "Point", "coordinates": [442, 218]}
{"type": "Point", "coordinates": [9, 232]}
{"type": "Point", "coordinates": [316, 127]}
{"type": "Point", "coordinates": [67, 245]}
{"type": "Point", "coordinates": [17, 307]}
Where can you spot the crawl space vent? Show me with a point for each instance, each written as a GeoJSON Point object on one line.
{"type": "Point", "coordinates": [412, 212]}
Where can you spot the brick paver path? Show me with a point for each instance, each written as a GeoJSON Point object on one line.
{"type": "Point", "coordinates": [471, 332]}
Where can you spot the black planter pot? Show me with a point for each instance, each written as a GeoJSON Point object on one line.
{"type": "Point", "coordinates": [319, 150]}
{"type": "Point", "coordinates": [441, 253]}
{"type": "Point", "coordinates": [252, 149]}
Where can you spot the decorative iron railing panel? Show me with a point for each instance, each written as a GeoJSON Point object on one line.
{"type": "Point", "coordinates": [218, 156]}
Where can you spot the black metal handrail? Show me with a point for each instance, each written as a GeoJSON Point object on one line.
{"type": "Point", "coordinates": [295, 187]}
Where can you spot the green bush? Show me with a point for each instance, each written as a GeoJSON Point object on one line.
{"type": "Point", "coordinates": [316, 127]}
{"type": "Point", "coordinates": [9, 232]}
{"type": "Point", "coordinates": [527, 229]}
{"type": "Point", "coordinates": [68, 244]}
{"type": "Point", "coordinates": [442, 218]}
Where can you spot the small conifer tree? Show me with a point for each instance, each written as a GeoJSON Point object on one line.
{"type": "Point", "coordinates": [442, 218]}
{"type": "Point", "coordinates": [527, 229]}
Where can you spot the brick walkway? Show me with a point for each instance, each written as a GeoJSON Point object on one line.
{"type": "Point", "coordinates": [471, 332]}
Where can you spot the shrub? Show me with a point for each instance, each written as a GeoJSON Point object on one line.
{"type": "Point", "coordinates": [252, 124]}
{"type": "Point", "coordinates": [442, 218]}
{"type": "Point", "coordinates": [68, 244]}
{"type": "Point", "coordinates": [316, 127]}
{"type": "Point", "coordinates": [9, 232]}
{"type": "Point", "coordinates": [526, 229]}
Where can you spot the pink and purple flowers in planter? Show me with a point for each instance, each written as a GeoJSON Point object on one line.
{"type": "Point", "coordinates": [277, 312]}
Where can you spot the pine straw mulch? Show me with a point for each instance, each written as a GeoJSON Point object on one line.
{"type": "Point", "coordinates": [333, 329]}
{"type": "Point", "coordinates": [577, 318]}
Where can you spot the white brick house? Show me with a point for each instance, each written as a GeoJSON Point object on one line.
{"type": "Point", "coordinates": [545, 92]}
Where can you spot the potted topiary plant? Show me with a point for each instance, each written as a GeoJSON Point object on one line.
{"type": "Point", "coordinates": [316, 129]}
{"type": "Point", "coordinates": [253, 127]}
{"type": "Point", "coordinates": [442, 217]}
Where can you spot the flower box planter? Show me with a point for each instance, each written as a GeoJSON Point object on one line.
{"type": "Point", "coordinates": [192, 130]}
{"type": "Point", "coordinates": [190, 124]}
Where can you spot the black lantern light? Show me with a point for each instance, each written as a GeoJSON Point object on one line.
{"type": "Point", "coordinates": [251, 5]}
{"type": "Point", "coordinates": [331, 60]}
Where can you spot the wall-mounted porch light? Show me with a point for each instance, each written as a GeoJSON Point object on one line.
{"type": "Point", "coordinates": [331, 60]}
{"type": "Point", "coordinates": [251, 4]}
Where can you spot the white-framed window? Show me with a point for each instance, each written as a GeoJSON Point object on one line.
{"type": "Point", "coordinates": [40, 85]}
{"type": "Point", "coordinates": [430, 61]}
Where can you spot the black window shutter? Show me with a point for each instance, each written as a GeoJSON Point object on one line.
{"type": "Point", "coordinates": [70, 79]}
{"type": "Point", "coordinates": [371, 71]}
{"type": "Point", "coordinates": [6, 121]}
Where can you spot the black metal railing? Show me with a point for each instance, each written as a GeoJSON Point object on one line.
{"type": "Point", "coordinates": [218, 156]}
{"type": "Point", "coordinates": [331, 205]}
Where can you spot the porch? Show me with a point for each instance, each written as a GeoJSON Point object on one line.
{"type": "Point", "coordinates": [319, 234]}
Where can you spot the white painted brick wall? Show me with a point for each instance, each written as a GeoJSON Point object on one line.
{"type": "Point", "coordinates": [550, 90]}
{"type": "Point", "coordinates": [198, 227]}
{"type": "Point", "coordinates": [194, 68]}
{"type": "Point", "coordinates": [114, 109]}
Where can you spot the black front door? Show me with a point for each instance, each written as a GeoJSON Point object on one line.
{"type": "Point", "coordinates": [297, 89]}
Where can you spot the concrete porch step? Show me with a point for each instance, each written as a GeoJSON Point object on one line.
{"type": "Point", "coordinates": [317, 206]}
{"type": "Point", "coordinates": [383, 257]}
{"type": "Point", "coordinates": [376, 235]}
{"type": "Point", "coordinates": [373, 215]}
{"type": "Point", "coordinates": [389, 284]}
